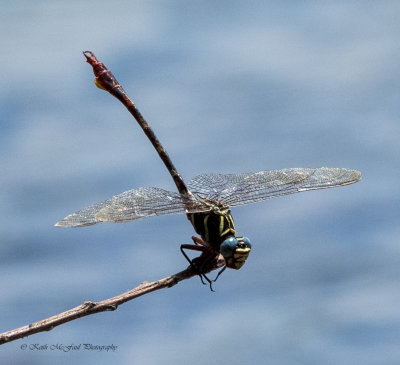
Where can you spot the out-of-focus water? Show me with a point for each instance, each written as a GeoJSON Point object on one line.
{"type": "Point", "coordinates": [228, 86]}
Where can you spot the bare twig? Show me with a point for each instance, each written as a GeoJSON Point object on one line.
{"type": "Point", "coordinates": [209, 260]}
{"type": "Point", "coordinates": [89, 307]}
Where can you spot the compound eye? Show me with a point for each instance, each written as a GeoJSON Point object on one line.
{"type": "Point", "coordinates": [228, 246]}
{"type": "Point", "coordinates": [246, 241]}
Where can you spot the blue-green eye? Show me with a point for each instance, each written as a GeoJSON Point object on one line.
{"type": "Point", "coordinates": [246, 241]}
{"type": "Point", "coordinates": [228, 246]}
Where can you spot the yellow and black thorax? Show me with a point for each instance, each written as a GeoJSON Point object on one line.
{"type": "Point", "coordinates": [214, 226]}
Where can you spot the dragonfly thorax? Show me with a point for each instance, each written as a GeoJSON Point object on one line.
{"type": "Point", "coordinates": [213, 226]}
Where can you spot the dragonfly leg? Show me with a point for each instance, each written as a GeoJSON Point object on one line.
{"type": "Point", "coordinates": [198, 241]}
{"type": "Point", "coordinates": [219, 273]}
{"type": "Point", "coordinates": [195, 248]}
{"type": "Point", "coordinates": [193, 264]}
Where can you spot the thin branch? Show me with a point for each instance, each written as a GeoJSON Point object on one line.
{"type": "Point", "coordinates": [209, 259]}
{"type": "Point", "coordinates": [111, 304]}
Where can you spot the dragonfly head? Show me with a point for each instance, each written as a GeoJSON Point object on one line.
{"type": "Point", "coordinates": [235, 251]}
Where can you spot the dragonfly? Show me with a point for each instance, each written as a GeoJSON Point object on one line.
{"type": "Point", "coordinates": [206, 199]}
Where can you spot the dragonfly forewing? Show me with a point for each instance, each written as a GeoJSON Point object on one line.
{"type": "Point", "coordinates": [247, 188]}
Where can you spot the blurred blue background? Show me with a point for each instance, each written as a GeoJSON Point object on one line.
{"type": "Point", "coordinates": [228, 86]}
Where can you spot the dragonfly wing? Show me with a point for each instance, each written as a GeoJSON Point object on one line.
{"type": "Point", "coordinates": [130, 205]}
{"type": "Point", "coordinates": [247, 188]}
